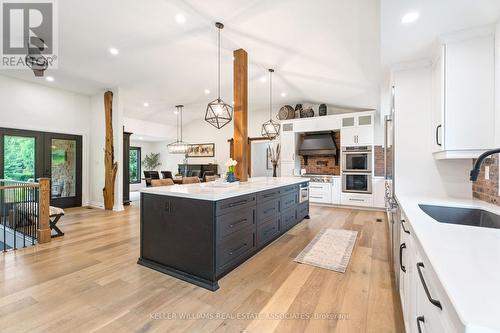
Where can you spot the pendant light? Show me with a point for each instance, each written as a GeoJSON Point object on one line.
{"type": "Point", "coordinates": [179, 146]}
{"type": "Point", "coordinates": [218, 113]}
{"type": "Point", "coordinates": [271, 129]}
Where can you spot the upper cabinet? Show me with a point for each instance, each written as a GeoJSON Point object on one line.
{"type": "Point", "coordinates": [463, 86]}
{"type": "Point", "coordinates": [357, 130]}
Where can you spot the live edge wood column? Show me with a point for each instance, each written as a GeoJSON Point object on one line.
{"type": "Point", "coordinates": [43, 232]}
{"type": "Point", "coordinates": [240, 80]}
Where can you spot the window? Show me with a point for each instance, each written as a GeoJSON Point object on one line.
{"type": "Point", "coordinates": [135, 165]}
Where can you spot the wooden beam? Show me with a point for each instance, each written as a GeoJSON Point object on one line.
{"type": "Point", "coordinates": [43, 231]}
{"type": "Point", "coordinates": [240, 80]}
{"type": "Point", "coordinates": [110, 166]}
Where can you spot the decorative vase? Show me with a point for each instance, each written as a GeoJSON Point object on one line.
{"type": "Point", "coordinates": [322, 110]}
{"type": "Point", "coordinates": [275, 168]}
{"type": "Point", "coordinates": [230, 177]}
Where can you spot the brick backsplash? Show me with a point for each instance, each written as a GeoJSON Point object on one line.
{"type": "Point", "coordinates": [321, 164]}
{"type": "Point", "coordinates": [487, 190]}
{"type": "Point", "coordinates": [378, 151]}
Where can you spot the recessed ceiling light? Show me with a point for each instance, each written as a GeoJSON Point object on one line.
{"type": "Point", "coordinates": [179, 18]}
{"type": "Point", "coordinates": [113, 51]}
{"type": "Point", "coordinates": [207, 91]}
{"type": "Point", "coordinates": [410, 17]}
{"type": "Point", "coordinates": [49, 78]}
{"type": "Point", "coordinates": [283, 94]}
{"type": "Point", "coordinates": [263, 79]}
{"type": "Point", "coordinates": [140, 138]}
{"type": "Point", "coordinates": [146, 104]}
{"type": "Point", "coordinates": [176, 112]}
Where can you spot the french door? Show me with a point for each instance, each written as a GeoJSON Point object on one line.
{"type": "Point", "coordinates": [29, 155]}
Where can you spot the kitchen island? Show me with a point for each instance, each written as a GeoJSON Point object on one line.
{"type": "Point", "coordinates": [200, 232]}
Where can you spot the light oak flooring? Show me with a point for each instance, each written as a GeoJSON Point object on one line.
{"type": "Point", "coordinates": [88, 281]}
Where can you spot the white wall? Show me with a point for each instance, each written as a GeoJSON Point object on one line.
{"type": "Point", "coordinates": [416, 170]}
{"type": "Point", "coordinates": [30, 106]}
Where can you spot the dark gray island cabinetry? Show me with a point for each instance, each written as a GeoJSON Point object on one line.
{"type": "Point", "coordinates": [199, 233]}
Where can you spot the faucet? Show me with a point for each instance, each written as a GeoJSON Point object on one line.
{"type": "Point", "coordinates": [474, 173]}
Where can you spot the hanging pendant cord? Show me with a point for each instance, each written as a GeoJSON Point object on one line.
{"type": "Point", "coordinates": [177, 121]}
{"type": "Point", "coordinates": [218, 67]}
{"type": "Point", "coordinates": [270, 95]}
{"type": "Point", "coordinates": [180, 110]}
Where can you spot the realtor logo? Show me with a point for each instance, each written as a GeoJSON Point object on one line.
{"type": "Point", "coordinates": [29, 35]}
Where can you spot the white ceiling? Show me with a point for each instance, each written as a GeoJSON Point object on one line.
{"type": "Point", "coordinates": [414, 41]}
{"type": "Point", "coordinates": [324, 51]}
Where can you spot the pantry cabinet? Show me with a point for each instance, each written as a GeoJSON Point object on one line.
{"type": "Point", "coordinates": [357, 130]}
{"type": "Point", "coordinates": [463, 100]}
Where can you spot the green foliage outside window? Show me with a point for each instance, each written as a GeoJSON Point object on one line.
{"type": "Point", "coordinates": [134, 164]}
{"type": "Point", "coordinates": [19, 158]}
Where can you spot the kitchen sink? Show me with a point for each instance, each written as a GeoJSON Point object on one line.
{"type": "Point", "coordinates": [464, 216]}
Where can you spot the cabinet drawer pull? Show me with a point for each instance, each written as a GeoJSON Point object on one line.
{"type": "Point", "coordinates": [237, 222]}
{"type": "Point", "coordinates": [237, 249]}
{"type": "Point", "coordinates": [269, 195]}
{"type": "Point", "coordinates": [403, 222]}
{"type": "Point", "coordinates": [401, 247]}
{"type": "Point", "coordinates": [359, 200]}
{"type": "Point", "coordinates": [435, 302]}
{"type": "Point", "coordinates": [315, 197]}
{"type": "Point", "coordinates": [237, 203]}
{"type": "Point", "coordinates": [437, 135]}
{"type": "Point", "coordinates": [420, 319]}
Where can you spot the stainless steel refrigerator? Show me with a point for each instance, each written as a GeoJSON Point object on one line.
{"type": "Point", "coordinates": [392, 207]}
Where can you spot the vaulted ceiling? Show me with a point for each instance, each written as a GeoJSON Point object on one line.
{"type": "Point", "coordinates": [324, 51]}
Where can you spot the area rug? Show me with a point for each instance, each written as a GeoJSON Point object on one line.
{"type": "Point", "coordinates": [330, 249]}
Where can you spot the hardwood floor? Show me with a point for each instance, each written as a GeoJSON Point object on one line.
{"type": "Point", "coordinates": [88, 281]}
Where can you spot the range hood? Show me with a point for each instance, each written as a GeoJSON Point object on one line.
{"type": "Point", "coordinates": [318, 144]}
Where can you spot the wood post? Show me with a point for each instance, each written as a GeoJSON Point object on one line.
{"type": "Point", "coordinates": [43, 231]}
{"type": "Point", "coordinates": [110, 166]}
{"type": "Point", "coordinates": [240, 79]}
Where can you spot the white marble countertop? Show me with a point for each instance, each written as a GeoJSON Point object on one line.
{"type": "Point", "coordinates": [208, 191]}
{"type": "Point", "coordinates": [466, 260]}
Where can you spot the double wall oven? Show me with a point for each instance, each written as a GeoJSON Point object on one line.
{"type": "Point", "coordinates": [357, 169]}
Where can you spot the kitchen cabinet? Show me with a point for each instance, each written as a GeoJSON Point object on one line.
{"type": "Point", "coordinates": [356, 199]}
{"type": "Point", "coordinates": [336, 190]}
{"type": "Point", "coordinates": [288, 147]}
{"type": "Point", "coordinates": [378, 185]}
{"type": "Point", "coordinates": [320, 192]}
{"type": "Point", "coordinates": [424, 304]}
{"type": "Point", "coordinates": [463, 100]}
{"type": "Point", "coordinates": [357, 130]}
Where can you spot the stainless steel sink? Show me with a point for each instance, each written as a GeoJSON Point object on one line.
{"type": "Point", "coordinates": [464, 216]}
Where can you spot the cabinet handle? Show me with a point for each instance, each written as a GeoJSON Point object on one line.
{"type": "Point", "coordinates": [420, 319]}
{"type": "Point", "coordinates": [315, 197]}
{"type": "Point", "coordinates": [269, 210]}
{"type": "Point", "coordinates": [269, 195]}
{"type": "Point", "coordinates": [359, 200]}
{"type": "Point", "coordinates": [403, 226]}
{"type": "Point", "coordinates": [437, 135]}
{"type": "Point", "coordinates": [401, 247]}
{"type": "Point", "coordinates": [421, 275]}
{"type": "Point", "coordinates": [237, 249]}
{"type": "Point", "coordinates": [237, 203]}
{"type": "Point", "coordinates": [237, 222]}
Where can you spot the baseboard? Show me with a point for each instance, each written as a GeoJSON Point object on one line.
{"type": "Point", "coordinates": [96, 204]}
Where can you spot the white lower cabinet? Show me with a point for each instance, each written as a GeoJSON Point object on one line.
{"type": "Point", "coordinates": [356, 199]}
{"type": "Point", "coordinates": [425, 307]}
{"type": "Point", "coordinates": [320, 192]}
{"type": "Point", "coordinates": [336, 190]}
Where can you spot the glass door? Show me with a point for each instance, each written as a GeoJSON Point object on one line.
{"type": "Point", "coordinates": [63, 165]}
{"type": "Point", "coordinates": [29, 155]}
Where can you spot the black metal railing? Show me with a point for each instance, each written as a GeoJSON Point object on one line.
{"type": "Point", "coordinates": [19, 214]}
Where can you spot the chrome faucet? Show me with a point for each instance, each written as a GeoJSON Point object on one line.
{"type": "Point", "coordinates": [474, 173]}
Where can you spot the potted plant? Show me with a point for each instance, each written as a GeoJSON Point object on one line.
{"type": "Point", "coordinates": [151, 161]}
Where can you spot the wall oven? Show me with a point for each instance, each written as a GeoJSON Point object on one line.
{"type": "Point", "coordinates": [357, 182]}
{"type": "Point", "coordinates": [357, 159]}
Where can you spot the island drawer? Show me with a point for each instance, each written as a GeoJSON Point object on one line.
{"type": "Point", "coordinates": [234, 249]}
{"type": "Point", "coordinates": [288, 201]}
{"type": "Point", "coordinates": [268, 210]}
{"type": "Point", "coordinates": [232, 204]}
{"type": "Point", "coordinates": [302, 211]}
{"type": "Point", "coordinates": [288, 219]}
{"type": "Point", "coordinates": [228, 224]}
{"type": "Point", "coordinates": [268, 195]}
{"type": "Point", "coordinates": [267, 231]}
{"type": "Point", "coordinates": [289, 189]}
